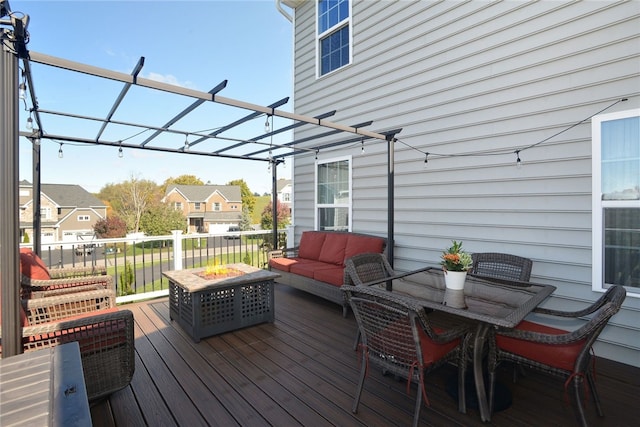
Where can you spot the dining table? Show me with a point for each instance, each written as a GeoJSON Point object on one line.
{"type": "Point", "coordinates": [486, 303]}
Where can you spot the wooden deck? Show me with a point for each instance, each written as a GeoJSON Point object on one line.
{"type": "Point", "coordinates": [301, 370]}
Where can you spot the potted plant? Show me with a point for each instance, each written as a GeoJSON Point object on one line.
{"type": "Point", "coordinates": [455, 263]}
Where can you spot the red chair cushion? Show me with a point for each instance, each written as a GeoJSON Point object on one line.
{"type": "Point", "coordinates": [558, 356]}
{"type": "Point", "coordinates": [311, 244]}
{"type": "Point", "coordinates": [32, 266]}
{"type": "Point", "coordinates": [333, 248]}
{"type": "Point", "coordinates": [362, 244]}
{"type": "Point", "coordinates": [432, 351]}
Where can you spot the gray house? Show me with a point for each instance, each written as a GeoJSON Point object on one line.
{"type": "Point", "coordinates": [514, 136]}
{"type": "Point", "coordinates": [67, 212]}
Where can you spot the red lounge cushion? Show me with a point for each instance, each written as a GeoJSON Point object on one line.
{"type": "Point", "coordinates": [362, 244]}
{"type": "Point", "coordinates": [432, 351]}
{"type": "Point", "coordinates": [558, 356]}
{"type": "Point", "coordinates": [32, 266]}
{"type": "Point", "coordinates": [311, 244]}
{"type": "Point", "coordinates": [282, 264]}
{"type": "Point", "coordinates": [333, 248]}
{"type": "Point", "coordinates": [309, 268]}
{"type": "Point", "coordinates": [333, 276]}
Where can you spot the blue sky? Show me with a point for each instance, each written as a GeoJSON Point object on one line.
{"type": "Point", "coordinates": [195, 44]}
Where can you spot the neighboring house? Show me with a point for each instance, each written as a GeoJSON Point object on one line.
{"type": "Point", "coordinates": [285, 192]}
{"type": "Point", "coordinates": [67, 212]}
{"type": "Point", "coordinates": [208, 208]}
{"type": "Point", "coordinates": [478, 88]}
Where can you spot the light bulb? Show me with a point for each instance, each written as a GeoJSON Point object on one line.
{"type": "Point", "coordinates": [22, 91]}
{"type": "Point", "coordinates": [267, 126]}
{"type": "Point", "coordinates": [186, 142]}
{"type": "Point", "coordinates": [120, 153]}
{"type": "Point", "coordinates": [518, 161]}
{"type": "Point", "coordinates": [29, 123]}
{"type": "Point", "coordinates": [60, 153]}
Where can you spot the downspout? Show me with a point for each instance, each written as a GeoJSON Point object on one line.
{"type": "Point", "coordinates": [282, 11]}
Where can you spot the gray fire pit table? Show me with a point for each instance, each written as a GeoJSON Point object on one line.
{"type": "Point", "coordinates": [205, 307]}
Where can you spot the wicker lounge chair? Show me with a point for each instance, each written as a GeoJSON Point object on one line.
{"type": "Point", "coordinates": [558, 352]}
{"type": "Point", "coordinates": [38, 281]}
{"type": "Point", "coordinates": [104, 333]}
{"type": "Point", "coordinates": [398, 337]}
{"type": "Point", "coordinates": [494, 265]}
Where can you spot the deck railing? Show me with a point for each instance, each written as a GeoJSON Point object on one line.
{"type": "Point", "coordinates": [137, 263]}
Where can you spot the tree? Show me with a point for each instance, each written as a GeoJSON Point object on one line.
{"type": "Point", "coordinates": [25, 238]}
{"type": "Point", "coordinates": [181, 180]}
{"type": "Point", "coordinates": [245, 221]}
{"type": "Point", "coordinates": [135, 197]}
{"type": "Point", "coordinates": [110, 227]}
{"type": "Point", "coordinates": [266, 221]}
{"type": "Point", "coordinates": [248, 199]}
{"type": "Point", "coordinates": [160, 219]}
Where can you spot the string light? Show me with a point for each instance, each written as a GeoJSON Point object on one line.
{"type": "Point", "coordinates": [22, 91]}
{"type": "Point", "coordinates": [267, 126]}
{"type": "Point", "coordinates": [518, 161]}
{"type": "Point", "coordinates": [426, 158]}
{"type": "Point", "coordinates": [186, 142]}
{"type": "Point", "coordinates": [29, 123]}
{"type": "Point", "coordinates": [362, 146]}
{"type": "Point", "coordinates": [60, 153]}
{"type": "Point", "coordinates": [317, 151]}
{"type": "Point", "coordinates": [120, 153]}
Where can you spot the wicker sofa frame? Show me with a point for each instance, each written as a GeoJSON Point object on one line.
{"type": "Point", "coordinates": [322, 289]}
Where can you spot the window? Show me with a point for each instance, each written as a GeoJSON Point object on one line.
{"type": "Point", "coordinates": [196, 206]}
{"type": "Point", "coordinates": [333, 195]}
{"type": "Point", "coordinates": [177, 206]}
{"type": "Point", "coordinates": [286, 197]}
{"type": "Point", "coordinates": [216, 206]}
{"type": "Point", "coordinates": [334, 35]}
{"type": "Point", "coordinates": [45, 213]}
{"type": "Point", "coordinates": [616, 200]}
{"type": "Point", "coordinates": [83, 217]}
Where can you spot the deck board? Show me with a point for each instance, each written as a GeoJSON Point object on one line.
{"type": "Point", "coordinates": [302, 370]}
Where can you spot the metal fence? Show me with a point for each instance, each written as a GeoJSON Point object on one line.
{"type": "Point", "coordinates": [137, 263]}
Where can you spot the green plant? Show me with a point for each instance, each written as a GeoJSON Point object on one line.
{"type": "Point", "coordinates": [25, 238]}
{"type": "Point", "coordinates": [247, 258]}
{"type": "Point", "coordinates": [455, 259]}
{"type": "Point", "coordinates": [127, 278]}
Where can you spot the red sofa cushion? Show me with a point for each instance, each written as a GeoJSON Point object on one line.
{"type": "Point", "coordinates": [32, 266]}
{"type": "Point", "coordinates": [333, 248]}
{"type": "Point", "coordinates": [311, 244]}
{"type": "Point", "coordinates": [308, 268]}
{"type": "Point", "coordinates": [333, 276]}
{"type": "Point", "coordinates": [283, 264]}
{"type": "Point", "coordinates": [362, 244]}
{"type": "Point", "coordinates": [433, 351]}
{"type": "Point", "coordinates": [558, 356]}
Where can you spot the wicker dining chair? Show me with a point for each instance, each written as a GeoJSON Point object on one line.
{"type": "Point", "coordinates": [103, 332]}
{"type": "Point", "coordinates": [556, 351]}
{"type": "Point", "coordinates": [38, 281]}
{"type": "Point", "coordinates": [363, 268]}
{"type": "Point", "coordinates": [495, 265]}
{"type": "Point", "coordinates": [398, 337]}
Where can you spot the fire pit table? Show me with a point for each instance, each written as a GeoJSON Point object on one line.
{"type": "Point", "coordinates": [211, 305]}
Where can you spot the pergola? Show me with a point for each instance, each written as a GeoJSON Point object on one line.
{"type": "Point", "coordinates": [15, 37]}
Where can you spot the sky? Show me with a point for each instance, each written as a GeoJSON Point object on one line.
{"type": "Point", "coordinates": [193, 44]}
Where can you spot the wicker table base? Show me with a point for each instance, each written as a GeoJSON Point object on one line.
{"type": "Point", "coordinates": [205, 307]}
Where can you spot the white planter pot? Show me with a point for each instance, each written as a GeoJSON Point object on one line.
{"type": "Point", "coordinates": [455, 279]}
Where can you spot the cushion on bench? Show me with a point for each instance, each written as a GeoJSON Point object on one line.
{"type": "Point", "coordinates": [333, 248]}
{"type": "Point", "coordinates": [311, 244]}
{"type": "Point", "coordinates": [333, 276]}
{"type": "Point", "coordinates": [308, 268]}
{"type": "Point", "coordinates": [284, 264]}
{"type": "Point", "coordinates": [362, 244]}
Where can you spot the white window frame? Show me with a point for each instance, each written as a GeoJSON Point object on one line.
{"type": "Point", "coordinates": [45, 212]}
{"type": "Point", "coordinates": [177, 206]}
{"type": "Point", "coordinates": [598, 205]}
{"type": "Point", "coordinates": [320, 36]}
{"type": "Point", "coordinates": [348, 205]}
{"type": "Point", "coordinates": [84, 218]}
{"type": "Point", "coordinates": [216, 206]}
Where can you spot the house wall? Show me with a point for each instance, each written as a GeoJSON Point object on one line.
{"type": "Point", "coordinates": [462, 77]}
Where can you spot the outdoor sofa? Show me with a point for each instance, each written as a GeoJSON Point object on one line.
{"type": "Point", "coordinates": [317, 264]}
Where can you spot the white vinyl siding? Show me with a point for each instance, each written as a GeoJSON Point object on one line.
{"type": "Point", "coordinates": [472, 78]}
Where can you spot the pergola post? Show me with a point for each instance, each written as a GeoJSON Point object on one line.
{"type": "Point", "coordinates": [9, 220]}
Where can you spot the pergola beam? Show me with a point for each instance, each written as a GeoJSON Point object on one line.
{"type": "Point", "coordinates": [126, 78]}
